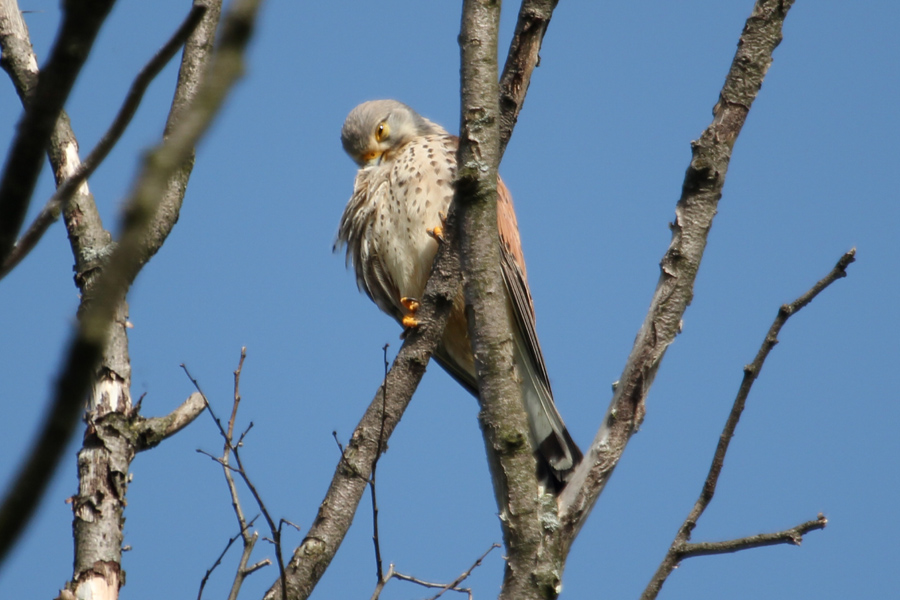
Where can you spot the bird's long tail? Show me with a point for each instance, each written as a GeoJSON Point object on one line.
{"type": "Point", "coordinates": [555, 447]}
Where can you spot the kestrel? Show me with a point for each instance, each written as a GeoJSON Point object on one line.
{"type": "Point", "coordinates": [404, 186]}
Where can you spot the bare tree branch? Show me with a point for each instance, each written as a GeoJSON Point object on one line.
{"type": "Point", "coordinates": [523, 57]}
{"type": "Point", "coordinates": [694, 213]}
{"type": "Point", "coordinates": [249, 539]}
{"type": "Point", "coordinates": [19, 62]}
{"type": "Point", "coordinates": [465, 574]}
{"type": "Point", "coordinates": [453, 586]}
{"type": "Point", "coordinates": [154, 430]}
{"type": "Point", "coordinates": [50, 213]}
{"type": "Point", "coordinates": [80, 24]}
{"type": "Point", "coordinates": [92, 247]}
{"type": "Point", "coordinates": [194, 63]}
{"type": "Point", "coordinates": [533, 563]}
{"type": "Point", "coordinates": [90, 242]}
{"type": "Point", "coordinates": [232, 447]}
{"type": "Point", "coordinates": [794, 536]}
{"type": "Point", "coordinates": [244, 558]}
{"type": "Point", "coordinates": [681, 548]}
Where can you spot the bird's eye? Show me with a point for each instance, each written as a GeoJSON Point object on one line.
{"type": "Point", "coordinates": [382, 131]}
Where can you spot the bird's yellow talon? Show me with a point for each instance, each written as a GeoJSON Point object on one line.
{"type": "Point", "coordinates": [438, 232]}
{"type": "Point", "coordinates": [412, 305]}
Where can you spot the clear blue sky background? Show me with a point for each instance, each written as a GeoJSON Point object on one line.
{"type": "Point", "coordinates": [595, 165]}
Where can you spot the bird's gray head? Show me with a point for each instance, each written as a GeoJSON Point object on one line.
{"type": "Point", "coordinates": [374, 129]}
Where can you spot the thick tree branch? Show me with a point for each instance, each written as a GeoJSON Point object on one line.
{"type": "Point", "coordinates": [694, 213]}
{"type": "Point", "coordinates": [20, 63]}
{"type": "Point", "coordinates": [140, 210]}
{"type": "Point", "coordinates": [90, 242]}
{"type": "Point", "coordinates": [197, 51]}
{"type": "Point", "coordinates": [352, 473]}
{"type": "Point", "coordinates": [476, 201]}
{"type": "Point", "coordinates": [533, 563]}
{"type": "Point", "coordinates": [81, 23]}
{"type": "Point", "coordinates": [98, 508]}
{"type": "Point", "coordinates": [342, 498]}
{"type": "Point", "coordinates": [681, 547]}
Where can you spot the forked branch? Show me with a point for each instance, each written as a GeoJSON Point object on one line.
{"type": "Point", "coordinates": [681, 547]}
{"type": "Point", "coordinates": [51, 211]}
{"type": "Point", "coordinates": [231, 449]}
{"type": "Point", "coordinates": [453, 586]}
{"type": "Point", "coordinates": [81, 22]}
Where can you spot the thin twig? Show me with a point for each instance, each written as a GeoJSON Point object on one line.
{"type": "Point", "coordinates": [338, 442]}
{"type": "Point", "coordinates": [465, 574]}
{"type": "Point", "coordinates": [680, 547]}
{"type": "Point", "coordinates": [256, 567]}
{"type": "Point", "coordinates": [233, 448]}
{"type": "Point", "coordinates": [453, 586]}
{"type": "Point", "coordinates": [376, 593]}
{"type": "Point", "coordinates": [243, 570]}
{"type": "Point", "coordinates": [379, 572]}
{"type": "Point", "coordinates": [429, 584]}
{"type": "Point", "coordinates": [215, 458]}
{"type": "Point", "coordinates": [218, 561]}
{"type": "Point", "coordinates": [50, 213]}
{"type": "Point", "coordinates": [751, 372]}
{"type": "Point", "coordinates": [209, 408]}
{"type": "Point", "coordinates": [244, 433]}
{"type": "Point", "coordinates": [237, 394]}
{"type": "Point", "coordinates": [794, 536]}
{"type": "Point", "coordinates": [249, 539]}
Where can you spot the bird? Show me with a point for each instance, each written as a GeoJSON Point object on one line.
{"type": "Point", "coordinates": [391, 227]}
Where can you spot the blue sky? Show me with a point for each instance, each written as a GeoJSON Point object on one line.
{"type": "Point", "coordinates": [595, 166]}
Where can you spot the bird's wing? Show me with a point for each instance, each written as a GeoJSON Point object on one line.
{"type": "Point", "coordinates": [512, 262]}
{"type": "Point", "coordinates": [552, 437]}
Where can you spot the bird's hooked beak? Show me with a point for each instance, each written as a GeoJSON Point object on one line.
{"type": "Point", "coordinates": [372, 158]}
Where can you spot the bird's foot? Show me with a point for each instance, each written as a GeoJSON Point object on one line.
{"type": "Point", "coordinates": [411, 305]}
{"type": "Point", "coordinates": [438, 232]}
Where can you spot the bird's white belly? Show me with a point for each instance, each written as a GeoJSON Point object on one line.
{"type": "Point", "coordinates": [405, 215]}
{"type": "Point", "coordinates": [406, 250]}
